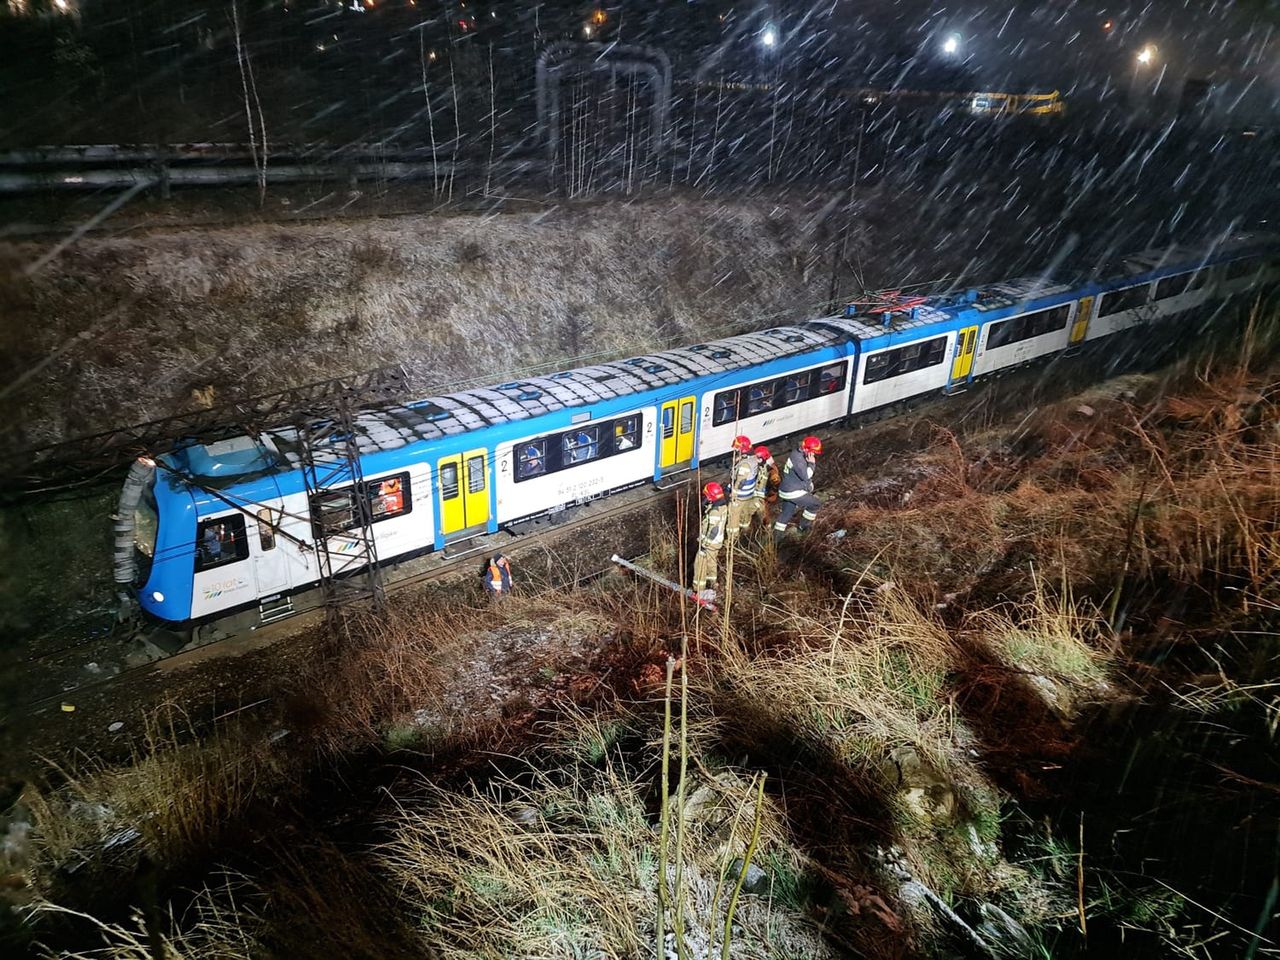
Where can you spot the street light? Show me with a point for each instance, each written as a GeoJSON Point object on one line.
{"type": "Point", "coordinates": [1147, 54]}
{"type": "Point", "coordinates": [951, 45]}
{"type": "Point", "coordinates": [769, 36]}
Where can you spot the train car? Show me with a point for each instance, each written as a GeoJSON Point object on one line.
{"type": "Point", "coordinates": [213, 529]}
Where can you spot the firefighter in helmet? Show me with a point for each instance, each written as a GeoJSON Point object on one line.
{"type": "Point", "coordinates": [742, 486]}
{"type": "Point", "coordinates": [766, 492]}
{"type": "Point", "coordinates": [715, 519]}
{"type": "Point", "coordinates": [796, 488]}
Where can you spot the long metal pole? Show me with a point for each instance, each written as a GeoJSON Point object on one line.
{"type": "Point", "coordinates": [663, 582]}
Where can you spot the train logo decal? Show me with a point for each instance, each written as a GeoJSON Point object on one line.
{"type": "Point", "coordinates": [215, 590]}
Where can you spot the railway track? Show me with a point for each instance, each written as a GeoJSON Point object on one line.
{"type": "Point", "coordinates": [158, 649]}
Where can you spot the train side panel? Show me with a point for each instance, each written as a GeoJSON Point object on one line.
{"type": "Point", "coordinates": [903, 370]}
{"type": "Point", "coordinates": [795, 398]}
{"type": "Point", "coordinates": [545, 471]}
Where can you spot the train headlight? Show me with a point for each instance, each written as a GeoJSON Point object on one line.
{"type": "Point", "coordinates": [157, 596]}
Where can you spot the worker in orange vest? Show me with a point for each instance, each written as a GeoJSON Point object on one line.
{"type": "Point", "coordinates": [497, 577]}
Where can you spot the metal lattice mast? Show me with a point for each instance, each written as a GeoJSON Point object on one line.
{"type": "Point", "coordinates": [341, 516]}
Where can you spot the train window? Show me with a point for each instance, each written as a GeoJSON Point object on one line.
{"type": "Point", "coordinates": [626, 433]}
{"type": "Point", "coordinates": [1128, 299]}
{"type": "Point", "coordinates": [220, 542]}
{"type": "Point", "coordinates": [905, 359]}
{"type": "Point", "coordinates": [266, 530]}
{"type": "Point", "coordinates": [796, 388]}
{"type": "Point", "coordinates": [877, 367]}
{"type": "Point", "coordinates": [686, 416]}
{"type": "Point", "coordinates": [760, 398]}
{"type": "Point", "coordinates": [146, 524]}
{"type": "Point", "coordinates": [1239, 269]}
{"type": "Point", "coordinates": [580, 446]}
{"type": "Point", "coordinates": [449, 485]}
{"type": "Point", "coordinates": [475, 474]}
{"type": "Point", "coordinates": [726, 408]}
{"type": "Point", "coordinates": [388, 497]}
{"type": "Point", "coordinates": [1172, 286]}
{"type": "Point", "coordinates": [832, 378]}
{"type": "Point", "coordinates": [532, 461]}
{"type": "Point", "coordinates": [333, 511]}
{"type": "Point", "coordinates": [1027, 326]}
{"type": "Point", "coordinates": [336, 511]}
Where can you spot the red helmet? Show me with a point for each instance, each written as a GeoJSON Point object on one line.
{"type": "Point", "coordinates": [811, 445]}
{"type": "Point", "coordinates": [713, 491]}
{"type": "Point", "coordinates": [762, 452]}
{"type": "Point", "coordinates": [742, 444]}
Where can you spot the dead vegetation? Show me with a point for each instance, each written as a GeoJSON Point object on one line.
{"type": "Point", "coordinates": [591, 771]}
{"type": "Point", "coordinates": [242, 311]}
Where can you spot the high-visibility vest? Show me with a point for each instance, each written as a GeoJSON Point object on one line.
{"type": "Point", "coordinates": [499, 576]}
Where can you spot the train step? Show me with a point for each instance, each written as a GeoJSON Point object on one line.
{"type": "Point", "coordinates": [278, 608]}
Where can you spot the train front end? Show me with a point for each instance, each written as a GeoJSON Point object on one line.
{"type": "Point", "coordinates": [155, 534]}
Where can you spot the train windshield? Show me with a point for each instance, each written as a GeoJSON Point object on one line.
{"type": "Point", "coordinates": [146, 525]}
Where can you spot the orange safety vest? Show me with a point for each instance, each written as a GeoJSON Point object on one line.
{"type": "Point", "coordinates": [496, 576]}
{"type": "Point", "coordinates": [393, 495]}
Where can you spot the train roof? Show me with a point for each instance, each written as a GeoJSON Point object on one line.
{"type": "Point", "coordinates": [396, 425]}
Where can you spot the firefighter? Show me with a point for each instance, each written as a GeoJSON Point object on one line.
{"type": "Point", "coordinates": [766, 492]}
{"type": "Point", "coordinates": [796, 489]}
{"type": "Point", "coordinates": [715, 519]}
{"type": "Point", "coordinates": [497, 577]}
{"type": "Point", "coordinates": [742, 486]}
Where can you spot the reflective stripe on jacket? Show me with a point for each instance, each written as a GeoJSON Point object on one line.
{"type": "Point", "coordinates": [713, 524]}
{"type": "Point", "coordinates": [767, 477]}
{"type": "Point", "coordinates": [743, 479]}
{"type": "Point", "coordinates": [797, 477]}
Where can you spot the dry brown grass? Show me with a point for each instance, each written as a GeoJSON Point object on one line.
{"type": "Point", "coordinates": [220, 924]}
{"type": "Point", "coordinates": [172, 802]}
{"type": "Point", "coordinates": [1185, 487]}
{"type": "Point", "coordinates": [253, 309]}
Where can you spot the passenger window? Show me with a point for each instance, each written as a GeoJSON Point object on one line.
{"type": "Point", "coordinates": [1172, 286]}
{"type": "Point", "coordinates": [626, 433]}
{"type": "Point", "coordinates": [388, 497]}
{"type": "Point", "coordinates": [220, 542]}
{"type": "Point", "coordinates": [333, 511]}
{"type": "Point", "coordinates": [668, 423]}
{"type": "Point", "coordinates": [532, 461]}
{"type": "Point", "coordinates": [1239, 269]}
{"type": "Point", "coordinates": [475, 475]}
{"type": "Point", "coordinates": [796, 388]}
{"type": "Point", "coordinates": [877, 367]}
{"type": "Point", "coordinates": [760, 398]}
{"type": "Point", "coordinates": [726, 408]}
{"type": "Point", "coordinates": [580, 446]}
{"type": "Point", "coordinates": [686, 416]}
{"type": "Point", "coordinates": [448, 481]}
{"type": "Point", "coordinates": [266, 530]}
{"type": "Point", "coordinates": [832, 379]}
{"type": "Point", "coordinates": [1127, 299]}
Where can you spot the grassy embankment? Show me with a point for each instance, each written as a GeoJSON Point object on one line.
{"type": "Point", "coordinates": [876, 727]}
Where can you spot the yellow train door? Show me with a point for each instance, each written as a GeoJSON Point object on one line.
{"type": "Point", "coordinates": [962, 365]}
{"type": "Point", "coordinates": [676, 441]}
{"type": "Point", "coordinates": [1083, 314]}
{"type": "Point", "coordinates": [464, 491]}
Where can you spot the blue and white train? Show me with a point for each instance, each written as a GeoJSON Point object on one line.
{"type": "Point", "coordinates": [214, 529]}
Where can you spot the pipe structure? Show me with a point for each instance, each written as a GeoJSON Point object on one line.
{"type": "Point", "coordinates": [175, 176]}
{"type": "Point", "coordinates": [630, 59]}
